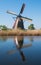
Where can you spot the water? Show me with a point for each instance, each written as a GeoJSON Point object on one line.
{"type": "Point", "coordinates": [19, 50]}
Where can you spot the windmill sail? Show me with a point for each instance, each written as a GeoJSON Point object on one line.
{"type": "Point", "coordinates": [27, 19]}
{"type": "Point", "coordinates": [13, 13]}
{"type": "Point", "coordinates": [23, 6]}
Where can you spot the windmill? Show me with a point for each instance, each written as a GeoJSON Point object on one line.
{"type": "Point", "coordinates": [19, 19]}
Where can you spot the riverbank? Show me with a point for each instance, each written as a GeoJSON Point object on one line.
{"type": "Point", "coordinates": [20, 32]}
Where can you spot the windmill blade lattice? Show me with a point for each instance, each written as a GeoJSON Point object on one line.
{"type": "Point", "coordinates": [13, 13]}
{"type": "Point", "coordinates": [23, 6]}
{"type": "Point", "coordinates": [27, 19]}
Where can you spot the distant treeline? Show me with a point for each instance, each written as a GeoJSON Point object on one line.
{"type": "Point", "coordinates": [3, 27]}
{"type": "Point", "coordinates": [30, 27]}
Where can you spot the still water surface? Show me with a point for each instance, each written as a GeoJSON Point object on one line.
{"type": "Point", "coordinates": [20, 50]}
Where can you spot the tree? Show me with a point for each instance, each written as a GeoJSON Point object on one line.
{"type": "Point", "coordinates": [3, 27]}
{"type": "Point", "coordinates": [31, 27]}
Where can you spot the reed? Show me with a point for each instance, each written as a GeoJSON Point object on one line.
{"type": "Point", "coordinates": [14, 32]}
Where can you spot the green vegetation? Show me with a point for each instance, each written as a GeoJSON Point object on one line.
{"type": "Point", "coordinates": [3, 27]}
{"type": "Point", "coordinates": [31, 27]}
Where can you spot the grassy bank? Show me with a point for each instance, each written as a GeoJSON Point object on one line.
{"type": "Point", "coordinates": [20, 32]}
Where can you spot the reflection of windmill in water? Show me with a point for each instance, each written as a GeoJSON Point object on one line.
{"type": "Point", "coordinates": [19, 45]}
{"type": "Point", "coordinates": [19, 19]}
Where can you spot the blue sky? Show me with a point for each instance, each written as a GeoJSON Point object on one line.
{"type": "Point", "coordinates": [32, 10]}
